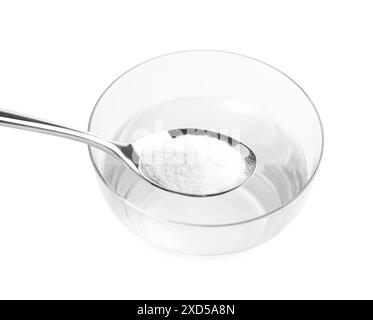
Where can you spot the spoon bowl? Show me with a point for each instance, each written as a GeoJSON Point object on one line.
{"type": "Point", "coordinates": [147, 142]}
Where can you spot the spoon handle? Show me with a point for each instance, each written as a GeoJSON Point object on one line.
{"type": "Point", "coordinates": [16, 120]}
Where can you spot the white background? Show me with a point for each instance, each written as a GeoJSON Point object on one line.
{"type": "Point", "coordinates": [58, 238]}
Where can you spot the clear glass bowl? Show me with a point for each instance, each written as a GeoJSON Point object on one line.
{"type": "Point", "coordinates": [220, 91]}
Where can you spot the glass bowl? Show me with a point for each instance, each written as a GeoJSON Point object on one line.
{"type": "Point", "coordinates": [219, 91]}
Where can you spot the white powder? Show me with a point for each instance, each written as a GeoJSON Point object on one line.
{"type": "Point", "coordinates": [193, 164]}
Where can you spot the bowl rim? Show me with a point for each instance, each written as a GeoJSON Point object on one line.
{"type": "Point", "coordinates": [265, 215]}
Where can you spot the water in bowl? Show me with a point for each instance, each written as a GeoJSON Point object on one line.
{"type": "Point", "coordinates": [280, 174]}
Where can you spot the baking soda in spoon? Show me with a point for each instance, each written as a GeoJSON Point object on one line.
{"type": "Point", "coordinates": [193, 164]}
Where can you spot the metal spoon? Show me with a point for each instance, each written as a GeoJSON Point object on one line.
{"type": "Point", "coordinates": [129, 153]}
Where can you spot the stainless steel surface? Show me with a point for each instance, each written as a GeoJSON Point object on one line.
{"type": "Point", "coordinates": [128, 153]}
